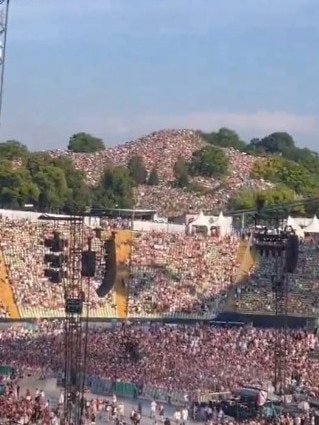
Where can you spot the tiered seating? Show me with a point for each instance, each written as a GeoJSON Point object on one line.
{"type": "Point", "coordinates": [180, 275]}
{"type": "Point", "coordinates": [23, 249]}
{"type": "Point", "coordinates": [303, 294]}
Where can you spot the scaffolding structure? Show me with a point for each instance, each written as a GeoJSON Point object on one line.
{"type": "Point", "coordinates": [281, 246]}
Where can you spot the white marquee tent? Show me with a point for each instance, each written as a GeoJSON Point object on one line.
{"type": "Point", "coordinates": [313, 227]}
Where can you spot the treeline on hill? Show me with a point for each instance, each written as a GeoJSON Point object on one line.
{"type": "Point", "coordinates": [54, 185]}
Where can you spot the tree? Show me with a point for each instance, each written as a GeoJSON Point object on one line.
{"type": "Point", "coordinates": [115, 189]}
{"type": "Point", "coordinates": [288, 173]}
{"type": "Point", "coordinates": [16, 187]}
{"type": "Point", "coordinates": [153, 179]}
{"type": "Point", "coordinates": [53, 188]}
{"type": "Point", "coordinates": [246, 198]}
{"type": "Point", "coordinates": [210, 161]}
{"type": "Point", "coordinates": [137, 169]}
{"type": "Point", "coordinates": [84, 142]}
{"type": "Point", "coordinates": [224, 138]}
{"type": "Point", "coordinates": [13, 149]}
{"type": "Point", "coordinates": [278, 143]}
{"type": "Point", "coordinates": [79, 194]}
{"type": "Point", "coordinates": [181, 174]}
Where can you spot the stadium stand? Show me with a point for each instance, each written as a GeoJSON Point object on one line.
{"type": "Point", "coordinates": [256, 295]}
{"type": "Point", "coordinates": [180, 275]}
{"type": "Point", "coordinates": [22, 244]}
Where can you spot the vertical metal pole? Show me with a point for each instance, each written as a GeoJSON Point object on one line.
{"type": "Point", "coordinates": [4, 15]}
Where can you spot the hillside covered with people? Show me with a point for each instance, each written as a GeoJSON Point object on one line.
{"type": "Point", "coordinates": [172, 171]}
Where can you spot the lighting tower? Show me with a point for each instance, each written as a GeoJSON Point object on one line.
{"type": "Point", "coordinates": [4, 14]}
{"type": "Point", "coordinates": [65, 262]}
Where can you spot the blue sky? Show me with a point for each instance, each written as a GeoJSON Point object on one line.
{"type": "Point", "coordinates": [122, 68]}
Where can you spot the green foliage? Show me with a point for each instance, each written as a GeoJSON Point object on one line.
{"type": "Point", "coordinates": [210, 161]}
{"type": "Point", "coordinates": [153, 179]}
{"type": "Point", "coordinates": [181, 174]}
{"type": "Point", "coordinates": [84, 142]}
{"type": "Point", "coordinates": [246, 198]}
{"type": "Point", "coordinates": [137, 169]}
{"type": "Point", "coordinates": [17, 187]}
{"type": "Point", "coordinates": [225, 138]}
{"type": "Point", "coordinates": [288, 173]}
{"type": "Point", "coordinates": [13, 150]}
{"type": "Point", "coordinates": [115, 189]}
{"type": "Point", "coordinates": [275, 144]}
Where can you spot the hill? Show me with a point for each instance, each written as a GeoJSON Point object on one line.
{"type": "Point", "coordinates": [173, 171]}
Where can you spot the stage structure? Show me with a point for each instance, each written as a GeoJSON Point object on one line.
{"type": "Point", "coordinates": [66, 265]}
{"type": "Point", "coordinates": [282, 246]}
{"type": "Point", "coordinates": [71, 260]}
{"type": "Point", "coordinates": [4, 14]}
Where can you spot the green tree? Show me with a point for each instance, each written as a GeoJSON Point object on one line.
{"type": "Point", "coordinates": [84, 142]}
{"type": "Point", "coordinates": [288, 173]}
{"type": "Point", "coordinates": [53, 188]}
{"type": "Point", "coordinates": [278, 143]}
{"type": "Point", "coordinates": [13, 149]}
{"type": "Point", "coordinates": [246, 198]}
{"type": "Point", "coordinates": [137, 169]}
{"type": "Point", "coordinates": [16, 187]}
{"type": "Point", "coordinates": [210, 161]}
{"type": "Point", "coordinates": [224, 138]}
{"type": "Point", "coordinates": [115, 189]}
{"type": "Point", "coordinates": [181, 174]}
{"type": "Point", "coordinates": [79, 194]}
{"type": "Point", "coordinates": [153, 179]}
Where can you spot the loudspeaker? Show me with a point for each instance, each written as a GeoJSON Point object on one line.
{"type": "Point", "coordinates": [88, 263]}
{"type": "Point", "coordinates": [109, 277]}
{"type": "Point", "coordinates": [292, 251]}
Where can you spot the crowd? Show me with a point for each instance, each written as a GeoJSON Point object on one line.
{"type": "Point", "coordinates": [22, 244]}
{"type": "Point", "coordinates": [181, 274]}
{"type": "Point", "coordinates": [162, 149]}
{"type": "Point", "coordinates": [256, 293]}
{"type": "Point", "coordinates": [176, 358]}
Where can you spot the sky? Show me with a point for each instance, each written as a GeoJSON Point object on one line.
{"type": "Point", "coordinates": [119, 69]}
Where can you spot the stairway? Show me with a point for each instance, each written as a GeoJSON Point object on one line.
{"type": "Point", "coordinates": [246, 258]}
{"type": "Point", "coordinates": [6, 293]}
{"type": "Point", "coordinates": [123, 250]}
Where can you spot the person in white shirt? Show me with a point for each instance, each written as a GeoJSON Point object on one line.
{"type": "Point", "coordinates": [153, 409]}
{"type": "Point", "coordinates": [61, 398]}
{"type": "Point", "coordinates": [120, 408]}
{"type": "Point", "coordinates": [177, 417]}
{"type": "Point", "coordinates": [184, 415]}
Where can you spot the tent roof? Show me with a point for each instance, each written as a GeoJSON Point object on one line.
{"type": "Point", "coordinates": [313, 227]}
{"type": "Point", "coordinates": [291, 222]}
{"type": "Point", "coordinates": [201, 220]}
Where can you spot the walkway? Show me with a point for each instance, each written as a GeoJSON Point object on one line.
{"type": "Point", "coordinates": [123, 252]}
{"type": "Point", "coordinates": [6, 292]}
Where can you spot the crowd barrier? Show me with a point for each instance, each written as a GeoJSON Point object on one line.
{"type": "Point", "coordinates": [107, 387]}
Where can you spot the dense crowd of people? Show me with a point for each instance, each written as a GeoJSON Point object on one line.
{"type": "Point", "coordinates": [256, 294]}
{"type": "Point", "coordinates": [170, 273]}
{"type": "Point", "coordinates": [22, 244]}
{"type": "Point", "coordinates": [181, 274]}
{"type": "Point", "coordinates": [162, 149]}
{"type": "Point", "coordinates": [181, 358]}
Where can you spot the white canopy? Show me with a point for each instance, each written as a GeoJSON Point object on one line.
{"type": "Point", "coordinates": [220, 220]}
{"type": "Point", "coordinates": [291, 222]}
{"type": "Point", "coordinates": [201, 221]}
{"type": "Point", "coordinates": [313, 227]}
